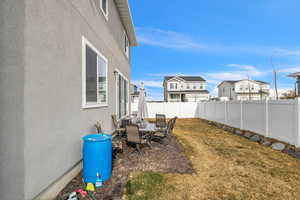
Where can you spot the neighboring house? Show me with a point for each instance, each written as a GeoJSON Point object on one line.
{"type": "Point", "coordinates": [134, 94]}
{"type": "Point", "coordinates": [243, 90]}
{"type": "Point", "coordinates": [185, 89]}
{"type": "Point", "coordinates": [296, 75]}
{"type": "Point", "coordinates": [63, 66]}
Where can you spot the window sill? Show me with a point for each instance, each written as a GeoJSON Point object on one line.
{"type": "Point", "coordinates": [94, 106]}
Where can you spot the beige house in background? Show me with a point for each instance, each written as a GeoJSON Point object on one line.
{"type": "Point", "coordinates": [185, 89]}
{"type": "Point", "coordinates": [64, 66]}
{"type": "Point", "coordinates": [243, 90]}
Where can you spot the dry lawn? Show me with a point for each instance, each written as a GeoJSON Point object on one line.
{"type": "Point", "coordinates": [229, 167]}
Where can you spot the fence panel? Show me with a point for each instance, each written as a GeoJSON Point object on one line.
{"type": "Point", "coordinates": [274, 119]}
{"type": "Point", "coordinates": [283, 121]}
{"type": "Point", "coordinates": [155, 108]}
{"type": "Point", "coordinates": [254, 116]}
{"type": "Point", "coordinates": [234, 114]}
{"type": "Point", "coordinates": [172, 109]}
{"type": "Point", "coordinates": [220, 112]}
{"type": "Point", "coordinates": [188, 110]}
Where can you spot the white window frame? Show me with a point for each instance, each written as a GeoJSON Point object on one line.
{"type": "Point", "coordinates": [119, 73]}
{"type": "Point", "coordinates": [103, 11]}
{"type": "Point", "coordinates": [85, 43]}
{"type": "Point", "coordinates": [126, 48]}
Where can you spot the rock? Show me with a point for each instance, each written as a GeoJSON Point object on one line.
{"type": "Point", "coordinates": [266, 142]}
{"type": "Point", "coordinates": [219, 125]}
{"type": "Point", "coordinates": [297, 149]}
{"type": "Point", "coordinates": [238, 132]}
{"type": "Point", "coordinates": [248, 135]}
{"type": "Point", "coordinates": [255, 138]}
{"type": "Point", "coordinates": [278, 146]}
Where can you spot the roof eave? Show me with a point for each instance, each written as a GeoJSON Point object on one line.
{"type": "Point", "coordinates": [125, 14]}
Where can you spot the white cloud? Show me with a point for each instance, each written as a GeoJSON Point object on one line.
{"type": "Point", "coordinates": [167, 39]}
{"type": "Point", "coordinates": [242, 72]}
{"type": "Point", "coordinates": [158, 84]}
{"type": "Point", "coordinates": [290, 69]}
{"type": "Point", "coordinates": [181, 41]}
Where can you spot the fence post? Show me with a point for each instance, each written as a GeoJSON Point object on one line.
{"type": "Point", "coordinates": [225, 104]}
{"type": "Point", "coordinates": [297, 143]}
{"type": "Point", "coordinates": [204, 113]}
{"type": "Point", "coordinates": [267, 118]}
{"type": "Point", "coordinates": [242, 123]}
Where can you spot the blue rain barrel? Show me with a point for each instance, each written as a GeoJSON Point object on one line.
{"type": "Point", "coordinates": [97, 157]}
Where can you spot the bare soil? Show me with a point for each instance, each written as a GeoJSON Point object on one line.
{"type": "Point", "coordinates": [164, 157]}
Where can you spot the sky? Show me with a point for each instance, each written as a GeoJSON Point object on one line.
{"type": "Point", "coordinates": [216, 39]}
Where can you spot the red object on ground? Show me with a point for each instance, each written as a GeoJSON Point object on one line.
{"type": "Point", "coordinates": [82, 192]}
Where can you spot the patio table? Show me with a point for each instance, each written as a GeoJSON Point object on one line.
{"type": "Point", "coordinates": [149, 127]}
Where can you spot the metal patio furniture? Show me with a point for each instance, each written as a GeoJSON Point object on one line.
{"type": "Point", "coordinates": [135, 137]}
{"type": "Point", "coordinates": [119, 131]}
{"type": "Point", "coordinates": [173, 124]}
{"type": "Point", "coordinates": [160, 121]}
{"type": "Point", "coordinates": [160, 134]}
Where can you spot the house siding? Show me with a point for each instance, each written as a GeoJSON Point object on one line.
{"type": "Point", "coordinates": [44, 119]}
{"type": "Point", "coordinates": [11, 99]}
{"type": "Point", "coordinates": [192, 90]}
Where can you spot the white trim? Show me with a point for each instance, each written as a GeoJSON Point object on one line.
{"type": "Point", "coordinates": [84, 104]}
{"type": "Point", "coordinates": [103, 12]}
{"type": "Point", "coordinates": [119, 73]}
{"type": "Point", "coordinates": [176, 78]}
{"type": "Point", "coordinates": [126, 48]}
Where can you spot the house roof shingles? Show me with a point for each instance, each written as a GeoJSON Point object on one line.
{"type": "Point", "coordinates": [235, 81]}
{"type": "Point", "coordinates": [186, 78]}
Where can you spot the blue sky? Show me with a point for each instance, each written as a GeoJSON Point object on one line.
{"type": "Point", "coordinates": [216, 39]}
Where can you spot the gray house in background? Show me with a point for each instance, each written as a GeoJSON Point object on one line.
{"type": "Point", "coordinates": [64, 64]}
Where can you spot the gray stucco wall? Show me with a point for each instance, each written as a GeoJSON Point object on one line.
{"type": "Point", "coordinates": [11, 100]}
{"type": "Point", "coordinates": [42, 121]}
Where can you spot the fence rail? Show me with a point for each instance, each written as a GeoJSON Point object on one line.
{"type": "Point", "coordinates": [278, 119]}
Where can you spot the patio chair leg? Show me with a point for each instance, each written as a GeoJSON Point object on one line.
{"type": "Point", "coordinates": [149, 144]}
{"type": "Point", "coordinates": [138, 148]}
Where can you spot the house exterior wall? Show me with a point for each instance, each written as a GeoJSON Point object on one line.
{"type": "Point", "coordinates": [243, 90]}
{"type": "Point", "coordinates": [44, 118]}
{"type": "Point", "coordinates": [197, 97]}
{"type": "Point", "coordinates": [11, 100]}
{"type": "Point", "coordinates": [227, 90]}
{"type": "Point", "coordinates": [176, 87]}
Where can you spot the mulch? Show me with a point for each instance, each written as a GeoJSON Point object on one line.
{"type": "Point", "coordinates": [166, 157]}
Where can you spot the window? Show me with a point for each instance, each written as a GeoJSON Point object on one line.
{"type": "Point", "coordinates": [94, 83]}
{"type": "Point", "coordinates": [122, 93]}
{"type": "Point", "coordinates": [174, 96]}
{"type": "Point", "coordinates": [126, 45]}
{"type": "Point", "coordinates": [104, 7]}
{"type": "Point", "coordinates": [195, 87]}
{"type": "Point", "coordinates": [171, 86]}
{"type": "Point", "coordinates": [201, 87]}
{"type": "Point", "coordinates": [188, 86]}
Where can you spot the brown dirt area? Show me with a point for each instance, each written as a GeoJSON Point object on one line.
{"type": "Point", "coordinates": [165, 157]}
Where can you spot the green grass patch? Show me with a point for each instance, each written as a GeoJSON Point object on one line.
{"type": "Point", "coordinates": [147, 186]}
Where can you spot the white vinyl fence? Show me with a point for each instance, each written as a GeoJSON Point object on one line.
{"type": "Point", "coordinates": [170, 109]}
{"type": "Point", "coordinates": [278, 119]}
